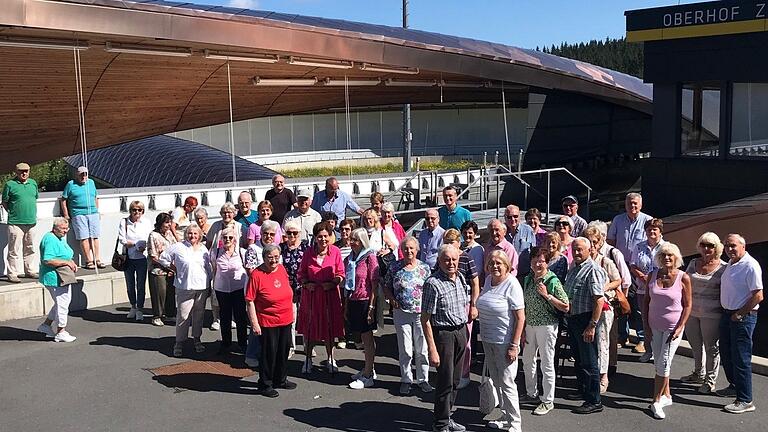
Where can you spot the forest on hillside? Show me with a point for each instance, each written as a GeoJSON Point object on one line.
{"type": "Point", "coordinates": [616, 54]}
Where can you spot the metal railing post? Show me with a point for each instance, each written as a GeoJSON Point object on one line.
{"type": "Point", "coordinates": [498, 178]}
{"type": "Point", "coordinates": [549, 178]}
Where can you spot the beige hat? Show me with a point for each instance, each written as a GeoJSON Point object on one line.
{"type": "Point", "coordinates": [22, 166]}
{"type": "Point", "coordinates": [304, 192]}
{"type": "Point", "coordinates": [82, 169]}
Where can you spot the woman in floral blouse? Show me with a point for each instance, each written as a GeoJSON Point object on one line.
{"type": "Point", "coordinates": [402, 288]}
{"type": "Point", "coordinates": [161, 290]}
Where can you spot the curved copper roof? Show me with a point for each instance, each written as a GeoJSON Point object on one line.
{"type": "Point", "coordinates": [130, 96]}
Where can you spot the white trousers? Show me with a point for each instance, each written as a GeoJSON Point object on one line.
{"type": "Point", "coordinates": [663, 351]}
{"type": "Point", "coordinates": [21, 243]}
{"type": "Point", "coordinates": [503, 374]}
{"type": "Point", "coordinates": [190, 310]}
{"type": "Point", "coordinates": [603, 335]}
{"type": "Point", "coordinates": [541, 339]}
{"type": "Point", "coordinates": [59, 312]}
{"type": "Point", "coordinates": [411, 346]}
{"type": "Point", "coordinates": [704, 336]}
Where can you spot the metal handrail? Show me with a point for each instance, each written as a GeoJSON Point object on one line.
{"type": "Point", "coordinates": [407, 181]}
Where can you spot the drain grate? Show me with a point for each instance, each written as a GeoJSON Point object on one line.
{"type": "Point", "coordinates": [202, 367]}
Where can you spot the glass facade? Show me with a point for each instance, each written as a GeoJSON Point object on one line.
{"type": "Point", "coordinates": [700, 120]}
{"type": "Point", "coordinates": [749, 120]}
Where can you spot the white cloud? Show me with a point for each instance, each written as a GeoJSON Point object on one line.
{"type": "Point", "coordinates": [245, 4]}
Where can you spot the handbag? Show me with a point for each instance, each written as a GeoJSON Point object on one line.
{"type": "Point", "coordinates": [488, 397]}
{"type": "Point", "coordinates": [386, 260]}
{"type": "Point", "coordinates": [620, 303]}
{"type": "Point", "coordinates": [120, 258]}
{"type": "Point", "coordinates": [66, 275]}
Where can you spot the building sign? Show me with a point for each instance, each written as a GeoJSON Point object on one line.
{"type": "Point", "coordinates": [696, 20]}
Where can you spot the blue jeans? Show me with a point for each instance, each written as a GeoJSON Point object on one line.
{"type": "Point", "coordinates": [736, 352]}
{"type": "Point", "coordinates": [135, 280]}
{"type": "Point", "coordinates": [585, 354]}
{"type": "Point", "coordinates": [635, 318]}
{"type": "Point", "coordinates": [253, 351]}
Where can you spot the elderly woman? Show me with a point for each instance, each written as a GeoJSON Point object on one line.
{"type": "Point", "coordinates": [612, 282]}
{"type": "Point", "coordinates": [533, 219]}
{"type": "Point", "coordinates": [254, 231]}
{"type": "Point", "coordinates": [402, 287]}
{"type": "Point", "coordinates": [292, 251]}
{"type": "Point", "coordinates": [132, 235]}
{"type": "Point", "coordinates": [161, 290]}
{"type": "Point", "coordinates": [201, 219]}
{"type": "Point", "coordinates": [269, 297]}
{"type": "Point", "coordinates": [563, 228]}
{"type": "Point", "coordinates": [544, 298]}
{"type": "Point", "coordinates": [642, 262]}
{"type": "Point", "coordinates": [213, 240]}
{"type": "Point", "coordinates": [320, 311]}
{"type": "Point", "coordinates": [268, 235]}
{"type": "Point", "coordinates": [55, 253]}
{"type": "Point", "coordinates": [362, 271]}
{"type": "Point", "coordinates": [189, 261]}
{"type": "Point", "coordinates": [468, 269]}
{"type": "Point", "coordinates": [666, 308]}
{"type": "Point", "coordinates": [558, 263]}
{"type": "Point", "coordinates": [702, 328]}
{"type": "Point", "coordinates": [501, 309]}
{"type": "Point", "coordinates": [229, 279]}
{"type": "Point", "coordinates": [391, 225]}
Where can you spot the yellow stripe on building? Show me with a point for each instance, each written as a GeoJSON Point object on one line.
{"type": "Point", "coordinates": [735, 27]}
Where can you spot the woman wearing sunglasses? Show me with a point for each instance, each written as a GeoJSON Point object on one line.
{"type": "Point", "coordinates": [292, 251]}
{"type": "Point", "coordinates": [563, 228]}
{"type": "Point", "coordinates": [229, 279]}
{"type": "Point", "coordinates": [132, 236]}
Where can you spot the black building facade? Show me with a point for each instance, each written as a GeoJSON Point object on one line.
{"type": "Point", "coordinates": [708, 63]}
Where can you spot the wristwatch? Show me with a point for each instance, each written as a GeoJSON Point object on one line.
{"type": "Point", "coordinates": [739, 316]}
{"type": "Point", "coordinates": [593, 323]}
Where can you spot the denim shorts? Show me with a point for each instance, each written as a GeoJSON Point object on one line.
{"type": "Point", "coordinates": [85, 226]}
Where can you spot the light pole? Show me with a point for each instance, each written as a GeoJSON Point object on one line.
{"type": "Point", "coordinates": [407, 136]}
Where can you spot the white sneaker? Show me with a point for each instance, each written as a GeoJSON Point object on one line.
{"type": "Point", "coordinates": [46, 330]}
{"type": "Point", "coordinates": [139, 315]}
{"type": "Point", "coordinates": [361, 383]}
{"type": "Point", "coordinates": [498, 424]}
{"type": "Point", "coordinates": [463, 382]}
{"type": "Point", "coordinates": [291, 352]}
{"type": "Point", "coordinates": [739, 407]}
{"type": "Point", "coordinates": [216, 326]}
{"type": "Point", "coordinates": [359, 374]}
{"type": "Point", "coordinates": [157, 322]}
{"type": "Point", "coordinates": [665, 401]}
{"type": "Point", "coordinates": [132, 313]}
{"type": "Point", "coordinates": [647, 357]}
{"type": "Point", "coordinates": [657, 410]}
{"type": "Point", "coordinates": [64, 336]}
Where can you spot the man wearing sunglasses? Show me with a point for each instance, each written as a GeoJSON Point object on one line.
{"type": "Point", "coordinates": [571, 209]}
{"type": "Point", "coordinates": [20, 201]}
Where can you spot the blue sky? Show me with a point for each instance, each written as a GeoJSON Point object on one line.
{"type": "Point", "coordinates": [522, 23]}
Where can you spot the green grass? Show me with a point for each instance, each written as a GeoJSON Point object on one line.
{"type": "Point", "coordinates": [343, 170]}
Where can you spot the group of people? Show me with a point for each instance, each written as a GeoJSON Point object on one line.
{"type": "Point", "coordinates": [299, 265]}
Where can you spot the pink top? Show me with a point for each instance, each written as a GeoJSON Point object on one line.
{"type": "Point", "coordinates": [332, 266]}
{"type": "Point", "coordinates": [254, 233]}
{"type": "Point", "coordinates": [666, 303]}
{"type": "Point", "coordinates": [508, 249]}
{"type": "Point", "coordinates": [366, 277]}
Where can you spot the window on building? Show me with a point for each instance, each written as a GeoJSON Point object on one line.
{"type": "Point", "coordinates": [700, 120]}
{"type": "Point", "coordinates": [749, 120]}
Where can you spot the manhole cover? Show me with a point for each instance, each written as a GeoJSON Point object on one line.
{"type": "Point", "coordinates": [198, 367]}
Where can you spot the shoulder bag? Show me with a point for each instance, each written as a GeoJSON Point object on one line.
{"type": "Point", "coordinates": [120, 258]}
{"type": "Point", "coordinates": [488, 397]}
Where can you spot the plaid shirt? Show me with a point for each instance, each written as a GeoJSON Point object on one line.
{"type": "Point", "coordinates": [446, 300]}
{"type": "Point", "coordinates": [467, 268]}
{"type": "Point", "coordinates": [582, 283]}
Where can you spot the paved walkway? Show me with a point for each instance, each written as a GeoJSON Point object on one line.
{"type": "Point", "coordinates": [102, 382]}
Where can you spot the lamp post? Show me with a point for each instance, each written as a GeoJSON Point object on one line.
{"type": "Point", "coordinates": [407, 136]}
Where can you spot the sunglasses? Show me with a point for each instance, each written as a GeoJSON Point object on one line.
{"type": "Point", "coordinates": [264, 234]}
{"type": "Point", "coordinates": [562, 223]}
{"type": "Point", "coordinates": [140, 210]}
{"type": "Point", "coordinates": [228, 237]}
{"type": "Point", "coordinates": [291, 233]}
{"type": "Point", "coordinates": [707, 245]}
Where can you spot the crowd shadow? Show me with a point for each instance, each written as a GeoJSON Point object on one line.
{"type": "Point", "coordinates": [20, 334]}
{"type": "Point", "coordinates": [208, 382]}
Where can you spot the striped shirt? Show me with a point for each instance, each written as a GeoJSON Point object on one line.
{"type": "Point", "coordinates": [445, 300]}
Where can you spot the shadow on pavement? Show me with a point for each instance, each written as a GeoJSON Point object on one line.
{"type": "Point", "coordinates": [369, 416]}
{"type": "Point", "coordinates": [18, 334]}
{"type": "Point", "coordinates": [204, 382]}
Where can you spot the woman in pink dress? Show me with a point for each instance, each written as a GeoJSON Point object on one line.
{"type": "Point", "coordinates": [321, 319]}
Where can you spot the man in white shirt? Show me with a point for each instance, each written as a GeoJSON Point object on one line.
{"type": "Point", "coordinates": [741, 291]}
{"type": "Point", "coordinates": [304, 213]}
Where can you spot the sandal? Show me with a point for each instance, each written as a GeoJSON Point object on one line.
{"type": "Point", "coordinates": [100, 265]}
{"type": "Point", "coordinates": [90, 266]}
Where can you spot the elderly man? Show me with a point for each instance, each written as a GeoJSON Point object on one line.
{"type": "Point", "coordinates": [80, 205]}
{"type": "Point", "coordinates": [282, 199]}
{"type": "Point", "coordinates": [430, 238]}
{"type": "Point", "coordinates": [452, 215]}
{"type": "Point", "coordinates": [571, 209]}
{"type": "Point", "coordinates": [444, 318]}
{"type": "Point", "coordinates": [521, 236]}
{"type": "Point", "coordinates": [20, 201]}
{"type": "Point", "coordinates": [304, 213]}
{"type": "Point", "coordinates": [498, 233]}
{"type": "Point", "coordinates": [584, 286]}
{"type": "Point", "coordinates": [741, 291]}
{"type": "Point", "coordinates": [335, 200]}
{"type": "Point", "coordinates": [627, 231]}
{"type": "Point", "coordinates": [244, 214]}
